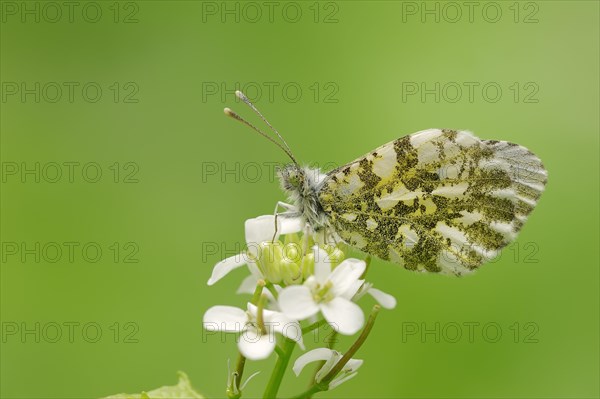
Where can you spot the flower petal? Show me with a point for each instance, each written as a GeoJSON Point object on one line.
{"type": "Point", "coordinates": [259, 230]}
{"type": "Point", "coordinates": [262, 228]}
{"type": "Point", "coordinates": [289, 225]}
{"type": "Point", "coordinates": [225, 266]}
{"type": "Point", "coordinates": [253, 267]}
{"type": "Point", "coordinates": [283, 325]}
{"type": "Point", "coordinates": [340, 379]}
{"type": "Point", "coordinates": [293, 331]}
{"type": "Point", "coordinates": [354, 292]}
{"type": "Point", "coordinates": [297, 303]}
{"type": "Point", "coordinates": [256, 346]}
{"type": "Point", "coordinates": [314, 355]}
{"type": "Point", "coordinates": [322, 265]}
{"type": "Point", "coordinates": [248, 285]}
{"type": "Point", "coordinates": [225, 318]}
{"type": "Point", "coordinates": [346, 274]}
{"type": "Point", "coordinates": [353, 365]}
{"type": "Point", "coordinates": [344, 316]}
{"type": "Point", "coordinates": [385, 300]}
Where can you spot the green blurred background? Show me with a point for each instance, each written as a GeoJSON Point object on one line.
{"type": "Point", "coordinates": [178, 180]}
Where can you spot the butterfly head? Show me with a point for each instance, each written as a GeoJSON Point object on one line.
{"type": "Point", "coordinates": [298, 181]}
{"type": "Point", "coordinates": [302, 184]}
{"type": "Point", "coordinates": [292, 178]}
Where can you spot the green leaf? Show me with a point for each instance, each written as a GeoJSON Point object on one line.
{"type": "Point", "coordinates": [183, 390]}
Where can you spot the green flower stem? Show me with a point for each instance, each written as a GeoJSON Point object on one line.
{"type": "Point", "coordinates": [239, 371]}
{"type": "Point", "coordinates": [278, 350]}
{"type": "Point", "coordinates": [323, 385]}
{"type": "Point", "coordinates": [241, 363]}
{"type": "Point", "coordinates": [311, 391]}
{"type": "Point", "coordinates": [332, 340]}
{"type": "Point", "coordinates": [354, 348]}
{"type": "Point", "coordinates": [279, 370]}
{"type": "Point", "coordinates": [313, 326]}
{"type": "Point", "coordinates": [258, 291]}
{"type": "Point", "coordinates": [272, 289]}
{"type": "Point", "coordinates": [259, 314]}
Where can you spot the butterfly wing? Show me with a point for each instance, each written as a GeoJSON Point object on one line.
{"type": "Point", "coordinates": [436, 200]}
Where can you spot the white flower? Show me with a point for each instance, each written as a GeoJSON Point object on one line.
{"type": "Point", "coordinates": [258, 230]}
{"type": "Point", "coordinates": [329, 292]}
{"type": "Point", "coordinates": [331, 358]}
{"type": "Point", "coordinates": [253, 343]}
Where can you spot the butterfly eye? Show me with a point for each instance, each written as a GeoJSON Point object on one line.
{"type": "Point", "coordinates": [294, 179]}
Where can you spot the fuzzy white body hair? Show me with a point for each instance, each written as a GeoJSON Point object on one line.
{"type": "Point", "coordinates": [302, 186]}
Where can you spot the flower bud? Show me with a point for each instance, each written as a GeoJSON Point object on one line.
{"type": "Point", "coordinates": [292, 238]}
{"type": "Point", "coordinates": [336, 255]}
{"type": "Point", "coordinates": [308, 265]}
{"type": "Point", "coordinates": [290, 272]}
{"type": "Point", "coordinates": [269, 259]}
{"type": "Point", "coordinates": [292, 252]}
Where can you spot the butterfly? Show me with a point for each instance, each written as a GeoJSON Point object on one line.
{"type": "Point", "coordinates": [439, 200]}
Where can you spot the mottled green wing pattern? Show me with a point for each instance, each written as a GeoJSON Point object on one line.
{"type": "Point", "coordinates": [436, 201]}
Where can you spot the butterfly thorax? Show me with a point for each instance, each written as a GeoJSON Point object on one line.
{"type": "Point", "coordinates": [302, 185]}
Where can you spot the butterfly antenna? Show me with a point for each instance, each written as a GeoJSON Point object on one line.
{"type": "Point", "coordinates": [245, 99]}
{"type": "Point", "coordinates": [235, 116]}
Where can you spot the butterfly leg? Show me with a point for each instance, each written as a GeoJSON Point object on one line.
{"type": "Point", "coordinates": [289, 210]}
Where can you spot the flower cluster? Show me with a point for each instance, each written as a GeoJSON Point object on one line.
{"type": "Point", "coordinates": [297, 284]}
